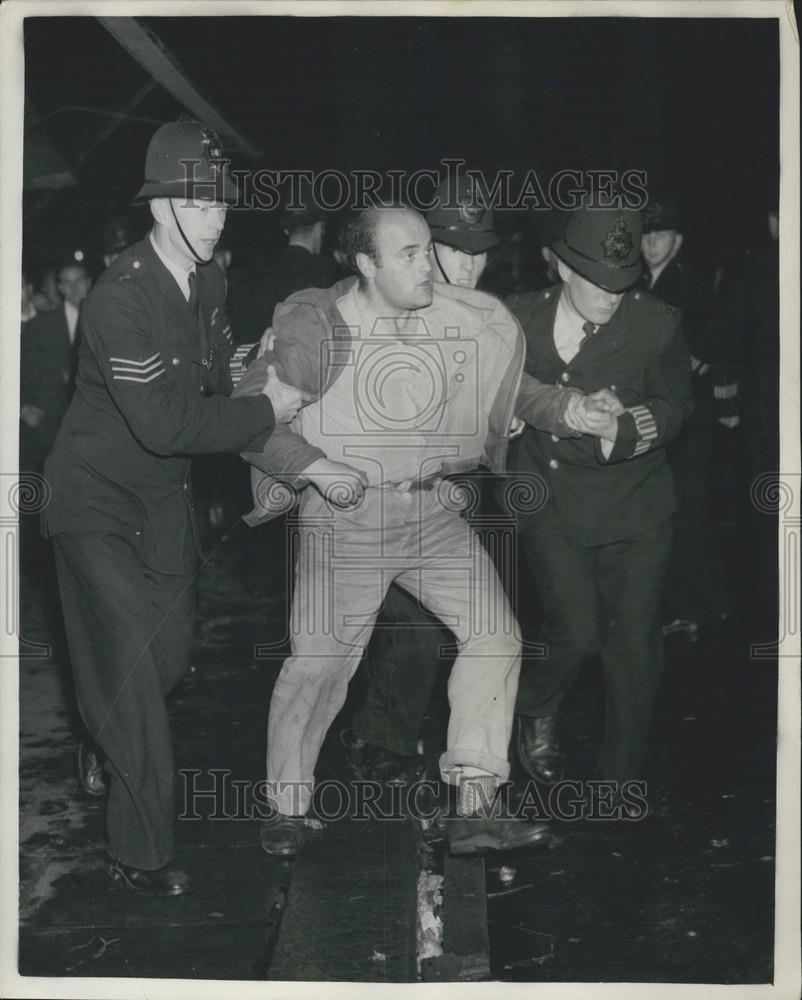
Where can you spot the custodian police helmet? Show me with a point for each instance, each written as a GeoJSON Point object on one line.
{"type": "Point", "coordinates": [185, 160]}
{"type": "Point", "coordinates": [460, 218]}
{"type": "Point", "coordinates": [603, 245]}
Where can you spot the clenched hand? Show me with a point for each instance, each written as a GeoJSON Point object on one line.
{"type": "Point", "coordinates": [340, 484]}
{"type": "Point", "coordinates": [286, 399]}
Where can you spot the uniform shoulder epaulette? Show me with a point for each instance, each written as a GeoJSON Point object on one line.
{"type": "Point", "coordinates": [532, 300]}
{"type": "Point", "coordinates": [130, 270]}
{"type": "Point", "coordinates": [650, 302]}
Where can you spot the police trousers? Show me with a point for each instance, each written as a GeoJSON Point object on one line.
{"type": "Point", "coordinates": [129, 631]}
{"type": "Point", "coordinates": [345, 562]}
{"type": "Point", "coordinates": [405, 655]}
{"type": "Point", "coordinates": [601, 600]}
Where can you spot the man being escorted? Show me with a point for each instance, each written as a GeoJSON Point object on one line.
{"type": "Point", "coordinates": [598, 549]}
{"type": "Point", "coordinates": [405, 657]}
{"type": "Point", "coordinates": [412, 380]}
{"type": "Point", "coordinates": [155, 368]}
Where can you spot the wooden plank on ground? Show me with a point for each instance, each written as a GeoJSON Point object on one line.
{"type": "Point", "coordinates": [466, 947]}
{"type": "Point", "coordinates": [351, 909]}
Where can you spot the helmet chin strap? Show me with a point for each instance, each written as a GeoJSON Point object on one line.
{"type": "Point", "coordinates": [442, 269]}
{"type": "Point", "coordinates": [190, 247]}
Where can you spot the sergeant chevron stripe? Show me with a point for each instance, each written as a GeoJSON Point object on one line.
{"type": "Point", "coordinates": [236, 364]}
{"type": "Point", "coordinates": [130, 370]}
{"type": "Point", "coordinates": [646, 428]}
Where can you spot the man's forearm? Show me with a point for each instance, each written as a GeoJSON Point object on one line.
{"type": "Point", "coordinates": [285, 456]}
{"type": "Point", "coordinates": [543, 406]}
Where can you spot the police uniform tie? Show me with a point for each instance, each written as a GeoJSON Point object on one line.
{"type": "Point", "coordinates": [193, 294]}
{"type": "Point", "coordinates": [590, 332]}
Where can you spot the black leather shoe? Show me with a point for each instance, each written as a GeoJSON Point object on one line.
{"type": "Point", "coordinates": [91, 776]}
{"type": "Point", "coordinates": [282, 835]}
{"type": "Point", "coordinates": [537, 748]}
{"type": "Point", "coordinates": [475, 835]}
{"type": "Point", "coordinates": [162, 882]}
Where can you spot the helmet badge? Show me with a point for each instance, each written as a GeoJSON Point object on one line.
{"type": "Point", "coordinates": [471, 211]}
{"type": "Point", "coordinates": [617, 245]}
{"type": "Point", "coordinates": [211, 150]}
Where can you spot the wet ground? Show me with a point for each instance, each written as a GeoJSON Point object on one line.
{"type": "Point", "coordinates": [684, 896]}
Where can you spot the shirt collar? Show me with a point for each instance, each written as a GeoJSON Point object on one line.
{"type": "Point", "coordinates": [181, 274]}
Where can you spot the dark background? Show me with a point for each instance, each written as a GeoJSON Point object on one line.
{"type": "Point", "coordinates": [694, 102]}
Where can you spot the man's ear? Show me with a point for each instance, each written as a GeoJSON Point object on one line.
{"type": "Point", "coordinates": [564, 270]}
{"type": "Point", "coordinates": [366, 265]}
{"type": "Point", "coordinates": [678, 243]}
{"type": "Point", "coordinates": [160, 210]}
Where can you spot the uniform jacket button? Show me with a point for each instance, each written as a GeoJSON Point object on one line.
{"type": "Point", "coordinates": [554, 438]}
{"type": "Point", "coordinates": [553, 463]}
{"type": "Point", "coordinates": [176, 361]}
{"type": "Point", "coordinates": [565, 377]}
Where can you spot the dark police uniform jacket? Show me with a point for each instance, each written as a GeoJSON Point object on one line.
{"type": "Point", "coordinates": [150, 392]}
{"type": "Point", "coordinates": [641, 355]}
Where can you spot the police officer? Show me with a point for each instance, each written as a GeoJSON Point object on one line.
{"type": "Point", "coordinates": [598, 548]}
{"type": "Point", "coordinates": [156, 367]}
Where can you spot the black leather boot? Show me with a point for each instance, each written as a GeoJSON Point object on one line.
{"type": "Point", "coordinates": [537, 748]}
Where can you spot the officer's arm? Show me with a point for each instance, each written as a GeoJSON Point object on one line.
{"type": "Point", "coordinates": [539, 404]}
{"type": "Point", "coordinates": [164, 417]}
{"type": "Point", "coordinates": [543, 406]}
{"type": "Point", "coordinates": [651, 422]}
{"type": "Point", "coordinates": [286, 453]}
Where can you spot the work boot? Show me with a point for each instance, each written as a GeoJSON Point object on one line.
{"type": "Point", "coordinates": [477, 829]}
{"type": "Point", "coordinates": [537, 748]}
{"type": "Point", "coordinates": [283, 835]}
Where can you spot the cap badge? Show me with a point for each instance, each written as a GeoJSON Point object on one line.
{"type": "Point", "coordinates": [617, 245]}
{"type": "Point", "coordinates": [471, 211]}
{"type": "Point", "coordinates": [210, 149]}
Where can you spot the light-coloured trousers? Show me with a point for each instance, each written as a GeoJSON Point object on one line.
{"type": "Point", "coordinates": [345, 562]}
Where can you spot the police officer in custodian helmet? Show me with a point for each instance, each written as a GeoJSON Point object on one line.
{"type": "Point", "coordinates": [157, 365]}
